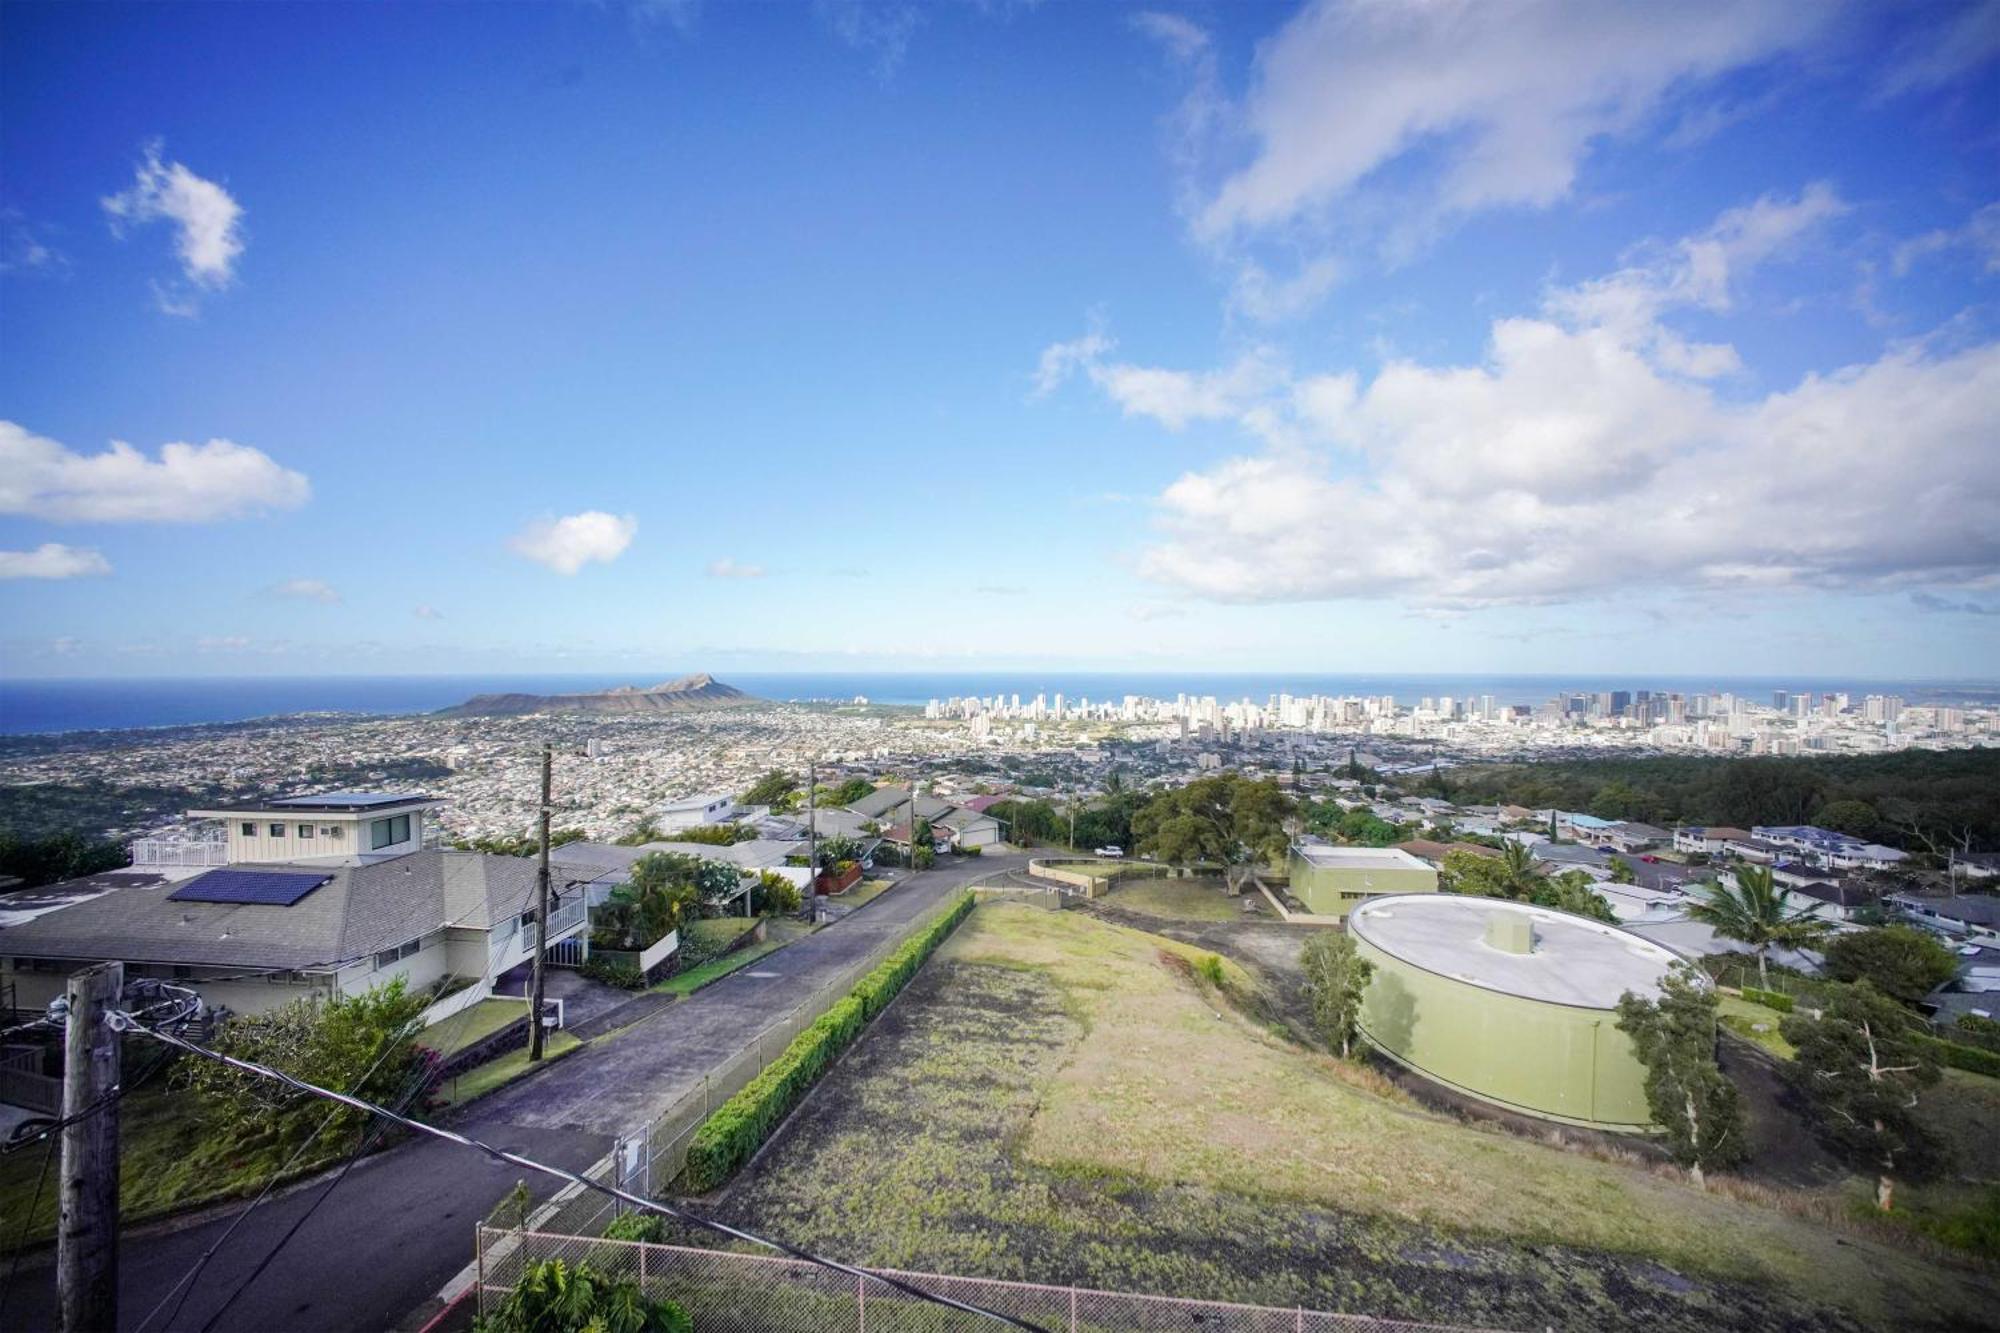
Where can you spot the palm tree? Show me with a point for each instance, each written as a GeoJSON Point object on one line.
{"type": "Point", "coordinates": [1517, 868]}
{"type": "Point", "coordinates": [1756, 913]}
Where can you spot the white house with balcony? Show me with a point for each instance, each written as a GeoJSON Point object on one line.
{"type": "Point", "coordinates": [252, 934]}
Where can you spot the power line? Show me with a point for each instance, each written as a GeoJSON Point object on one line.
{"type": "Point", "coordinates": [27, 1220]}
{"type": "Point", "coordinates": [624, 1196]}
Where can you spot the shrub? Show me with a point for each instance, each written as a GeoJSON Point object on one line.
{"type": "Point", "coordinates": [552, 1297]}
{"type": "Point", "coordinates": [971, 851]}
{"type": "Point", "coordinates": [1770, 999]}
{"type": "Point", "coordinates": [622, 975]}
{"type": "Point", "coordinates": [648, 1227]}
{"type": "Point", "coordinates": [729, 1137]}
{"type": "Point", "coordinates": [1210, 967]}
{"type": "Point", "coordinates": [1981, 1032]}
{"type": "Point", "coordinates": [1958, 1056]}
{"type": "Point", "coordinates": [1902, 962]}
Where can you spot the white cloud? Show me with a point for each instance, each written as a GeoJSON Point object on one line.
{"type": "Point", "coordinates": [1943, 47]}
{"type": "Point", "coordinates": [1980, 235]}
{"type": "Point", "coordinates": [190, 483]}
{"type": "Point", "coordinates": [1270, 299]}
{"type": "Point", "coordinates": [221, 643]}
{"type": "Point", "coordinates": [308, 590]}
{"type": "Point", "coordinates": [1171, 397]}
{"type": "Point", "coordinates": [208, 235]}
{"type": "Point", "coordinates": [882, 28]}
{"type": "Point", "coordinates": [1060, 360]}
{"type": "Point", "coordinates": [23, 252]}
{"type": "Point", "coordinates": [566, 545]}
{"type": "Point", "coordinates": [730, 569]}
{"type": "Point", "coordinates": [52, 560]}
{"type": "Point", "coordinates": [1485, 105]}
{"type": "Point", "coordinates": [428, 612]}
{"type": "Point", "coordinates": [1585, 455]}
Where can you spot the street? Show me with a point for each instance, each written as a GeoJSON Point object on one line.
{"type": "Point", "coordinates": [400, 1225]}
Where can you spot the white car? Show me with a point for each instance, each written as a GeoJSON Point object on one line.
{"type": "Point", "coordinates": [1111, 851]}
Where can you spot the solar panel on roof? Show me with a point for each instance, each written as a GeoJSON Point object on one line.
{"type": "Point", "coordinates": [347, 798]}
{"type": "Point", "coordinates": [267, 888]}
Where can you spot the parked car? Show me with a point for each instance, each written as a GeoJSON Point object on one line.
{"type": "Point", "coordinates": [1650, 859]}
{"type": "Point", "coordinates": [1111, 851]}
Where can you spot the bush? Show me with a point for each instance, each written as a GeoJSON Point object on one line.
{"type": "Point", "coordinates": [1210, 967]}
{"type": "Point", "coordinates": [1902, 962]}
{"type": "Point", "coordinates": [552, 1297]}
{"type": "Point", "coordinates": [648, 1227]}
{"type": "Point", "coordinates": [971, 851]}
{"type": "Point", "coordinates": [622, 975]}
{"type": "Point", "coordinates": [1981, 1032]}
{"type": "Point", "coordinates": [1969, 1058]}
{"type": "Point", "coordinates": [1770, 999]}
{"type": "Point", "coordinates": [729, 1137]}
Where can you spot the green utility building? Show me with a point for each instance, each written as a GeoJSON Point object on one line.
{"type": "Point", "coordinates": [1331, 880]}
{"type": "Point", "coordinates": [1509, 1003]}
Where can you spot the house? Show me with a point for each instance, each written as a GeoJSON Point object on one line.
{"type": "Point", "coordinates": [1330, 880]}
{"type": "Point", "coordinates": [692, 811]}
{"type": "Point", "coordinates": [963, 828]}
{"type": "Point", "coordinates": [1973, 916]}
{"type": "Point", "coordinates": [1629, 836]}
{"type": "Point", "coordinates": [253, 936]}
{"type": "Point", "coordinates": [1571, 856]}
{"type": "Point", "coordinates": [1976, 865]}
{"type": "Point", "coordinates": [1754, 850]}
{"type": "Point", "coordinates": [343, 826]}
{"type": "Point", "coordinates": [1834, 900]}
{"type": "Point", "coordinates": [1711, 840]}
{"type": "Point", "coordinates": [1833, 851]}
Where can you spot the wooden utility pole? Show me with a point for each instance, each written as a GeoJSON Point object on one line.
{"type": "Point", "coordinates": [87, 1222]}
{"type": "Point", "coordinates": [541, 912]}
{"type": "Point", "coordinates": [812, 831]}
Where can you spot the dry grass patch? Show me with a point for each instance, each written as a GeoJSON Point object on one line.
{"type": "Point", "coordinates": [1169, 1084]}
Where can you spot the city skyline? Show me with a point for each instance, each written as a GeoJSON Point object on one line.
{"type": "Point", "coordinates": [755, 339]}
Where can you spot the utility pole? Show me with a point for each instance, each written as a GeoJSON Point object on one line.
{"type": "Point", "coordinates": [87, 1223]}
{"type": "Point", "coordinates": [541, 913]}
{"type": "Point", "coordinates": [812, 832]}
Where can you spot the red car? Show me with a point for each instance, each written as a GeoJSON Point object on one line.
{"type": "Point", "coordinates": [1650, 859]}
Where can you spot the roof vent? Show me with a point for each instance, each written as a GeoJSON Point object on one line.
{"type": "Point", "coordinates": [1510, 932]}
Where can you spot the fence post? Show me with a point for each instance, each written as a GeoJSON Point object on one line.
{"type": "Point", "coordinates": [643, 1247]}
{"type": "Point", "coordinates": [861, 1304]}
{"type": "Point", "coordinates": [481, 1233]}
{"type": "Point", "coordinates": [1072, 1310]}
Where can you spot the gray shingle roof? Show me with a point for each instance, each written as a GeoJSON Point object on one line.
{"type": "Point", "coordinates": [363, 910]}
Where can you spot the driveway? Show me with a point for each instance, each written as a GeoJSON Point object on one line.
{"type": "Point", "coordinates": [400, 1225]}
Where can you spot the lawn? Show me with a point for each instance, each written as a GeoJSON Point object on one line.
{"type": "Point", "coordinates": [715, 969]}
{"type": "Point", "coordinates": [482, 1079]}
{"type": "Point", "coordinates": [867, 891]}
{"type": "Point", "coordinates": [1743, 1018]}
{"type": "Point", "coordinates": [1175, 899]}
{"type": "Point", "coordinates": [1059, 1099]}
{"type": "Point", "coordinates": [470, 1026]}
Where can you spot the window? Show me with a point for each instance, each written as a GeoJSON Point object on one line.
{"type": "Point", "coordinates": [277, 830]}
{"type": "Point", "coordinates": [305, 830]}
{"type": "Point", "coordinates": [390, 957]}
{"type": "Point", "coordinates": [331, 831]}
{"type": "Point", "coordinates": [388, 832]}
{"type": "Point", "coordinates": [249, 829]}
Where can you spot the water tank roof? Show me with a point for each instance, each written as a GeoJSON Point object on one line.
{"type": "Point", "coordinates": [1574, 961]}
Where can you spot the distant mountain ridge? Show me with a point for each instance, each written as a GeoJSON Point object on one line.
{"type": "Point", "coordinates": [688, 694]}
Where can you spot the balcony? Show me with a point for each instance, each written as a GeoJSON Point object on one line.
{"type": "Point", "coordinates": [180, 852]}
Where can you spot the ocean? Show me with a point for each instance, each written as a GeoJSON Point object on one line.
{"type": "Point", "coordinates": [41, 706]}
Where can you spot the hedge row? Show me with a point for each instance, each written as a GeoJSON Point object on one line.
{"type": "Point", "coordinates": [1770, 999]}
{"type": "Point", "coordinates": [1958, 1056]}
{"type": "Point", "coordinates": [737, 1128]}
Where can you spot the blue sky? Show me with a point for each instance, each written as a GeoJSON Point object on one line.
{"type": "Point", "coordinates": [1344, 337]}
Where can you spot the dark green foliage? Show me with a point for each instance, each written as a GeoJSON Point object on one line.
{"type": "Point", "coordinates": [774, 895]}
{"type": "Point", "coordinates": [1981, 1032]}
{"type": "Point", "coordinates": [1209, 968]}
{"type": "Point", "coordinates": [1758, 913]}
{"type": "Point", "coordinates": [1902, 962]}
{"type": "Point", "coordinates": [1514, 875]}
{"type": "Point", "coordinates": [1770, 999]}
{"type": "Point", "coordinates": [847, 793]}
{"type": "Point", "coordinates": [1356, 828]}
{"type": "Point", "coordinates": [1957, 1055]}
{"type": "Point", "coordinates": [612, 972]}
{"type": "Point", "coordinates": [58, 856]}
{"type": "Point", "coordinates": [776, 789]}
{"type": "Point", "coordinates": [1861, 1070]}
{"type": "Point", "coordinates": [1936, 793]}
{"type": "Point", "coordinates": [1223, 820]}
{"type": "Point", "coordinates": [648, 1227]}
{"type": "Point", "coordinates": [1692, 1100]}
{"type": "Point", "coordinates": [1030, 821]}
{"type": "Point", "coordinates": [520, 844]}
{"type": "Point", "coordinates": [552, 1297]}
{"type": "Point", "coordinates": [732, 1135]}
{"type": "Point", "coordinates": [713, 835]}
{"type": "Point", "coordinates": [332, 1043]}
{"type": "Point", "coordinates": [665, 889]}
{"type": "Point", "coordinates": [1336, 980]}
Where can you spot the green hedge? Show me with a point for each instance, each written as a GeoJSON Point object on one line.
{"type": "Point", "coordinates": [730, 1136]}
{"type": "Point", "coordinates": [1958, 1056]}
{"type": "Point", "coordinates": [1770, 999]}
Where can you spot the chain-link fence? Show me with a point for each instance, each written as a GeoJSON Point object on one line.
{"type": "Point", "coordinates": [648, 1160]}
{"type": "Point", "coordinates": [726, 1292]}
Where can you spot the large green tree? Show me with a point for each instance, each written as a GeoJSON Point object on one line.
{"type": "Point", "coordinates": [1902, 962]}
{"type": "Point", "coordinates": [1336, 980]}
{"type": "Point", "coordinates": [1692, 1100]}
{"type": "Point", "coordinates": [1756, 912]}
{"type": "Point", "coordinates": [1225, 820]}
{"type": "Point", "coordinates": [1861, 1076]}
{"type": "Point", "coordinates": [1514, 875]}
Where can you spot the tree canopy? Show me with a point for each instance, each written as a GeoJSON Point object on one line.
{"type": "Point", "coordinates": [1902, 962]}
{"type": "Point", "coordinates": [1759, 914]}
{"type": "Point", "coordinates": [1224, 820]}
{"type": "Point", "coordinates": [1691, 1099]}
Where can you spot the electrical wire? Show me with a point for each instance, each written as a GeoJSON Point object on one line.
{"type": "Point", "coordinates": [27, 1220]}
{"type": "Point", "coordinates": [624, 1196]}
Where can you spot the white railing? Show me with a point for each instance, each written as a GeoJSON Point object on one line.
{"type": "Point", "coordinates": [659, 950]}
{"type": "Point", "coordinates": [180, 852]}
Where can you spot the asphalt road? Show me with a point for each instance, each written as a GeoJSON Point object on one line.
{"type": "Point", "coordinates": [400, 1226]}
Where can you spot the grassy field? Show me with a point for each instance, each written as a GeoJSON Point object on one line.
{"type": "Point", "coordinates": [1174, 899]}
{"type": "Point", "coordinates": [1744, 1018]}
{"type": "Point", "coordinates": [1063, 1100]}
